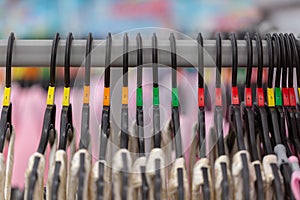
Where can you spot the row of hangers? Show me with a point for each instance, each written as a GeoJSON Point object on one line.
{"type": "Point", "coordinates": [263, 138]}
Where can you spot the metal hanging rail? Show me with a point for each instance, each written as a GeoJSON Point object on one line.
{"type": "Point", "coordinates": [37, 53]}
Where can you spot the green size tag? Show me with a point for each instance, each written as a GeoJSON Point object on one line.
{"type": "Point", "coordinates": [139, 97]}
{"type": "Point", "coordinates": [155, 96]}
{"type": "Point", "coordinates": [278, 97]}
{"type": "Point", "coordinates": [175, 97]}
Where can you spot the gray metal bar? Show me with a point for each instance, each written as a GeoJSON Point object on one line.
{"type": "Point", "coordinates": [37, 52]}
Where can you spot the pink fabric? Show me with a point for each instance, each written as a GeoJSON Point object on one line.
{"type": "Point", "coordinates": [295, 184]}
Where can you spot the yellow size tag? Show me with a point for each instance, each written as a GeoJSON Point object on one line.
{"type": "Point", "coordinates": [124, 95]}
{"type": "Point", "coordinates": [66, 97]}
{"type": "Point", "coordinates": [50, 97]}
{"type": "Point", "coordinates": [6, 97]}
{"type": "Point", "coordinates": [86, 94]}
{"type": "Point", "coordinates": [271, 97]}
{"type": "Point", "coordinates": [299, 92]}
{"type": "Point", "coordinates": [106, 96]}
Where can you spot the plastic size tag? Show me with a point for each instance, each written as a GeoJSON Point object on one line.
{"type": "Point", "coordinates": [201, 97]}
{"type": "Point", "coordinates": [271, 97]}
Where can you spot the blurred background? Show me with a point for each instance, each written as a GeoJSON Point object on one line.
{"type": "Point", "coordinates": [41, 19]}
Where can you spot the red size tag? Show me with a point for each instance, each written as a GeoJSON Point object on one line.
{"type": "Point", "coordinates": [260, 98]}
{"type": "Point", "coordinates": [292, 97]}
{"type": "Point", "coordinates": [285, 96]}
{"type": "Point", "coordinates": [235, 96]}
{"type": "Point", "coordinates": [248, 97]}
{"type": "Point", "coordinates": [201, 97]}
{"type": "Point", "coordinates": [218, 97]}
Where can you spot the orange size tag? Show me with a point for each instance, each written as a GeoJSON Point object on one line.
{"type": "Point", "coordinates": [86, 94]}
{"type": "Point", "coordinates": [106, 96]}
{"type": "Point", "coordinates": [124, 95]}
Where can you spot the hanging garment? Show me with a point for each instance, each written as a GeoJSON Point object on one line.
{"type": "Point", "coordinates": [269, 176]}
{"type": "Point", "coordinates": [6, 166]}
{"type": "Point", "coordinates": [237, 175]}
{"type": "Point", "coordinates": [61, 159]}
{"type": "Point", "coordinates": [74, 175]}
{"type": "Point", "coordinates": [198, 179]}
{"type": "Point", "coordinates": [222, 160]}
{"type": "Point", "coordinates": [38, 189]}
{"type": "Point", "coordinates": [136, 177]}
{"type": "Point", "coordinates": [118, 171]}
{"type": "Point", "coordinates": [173, 180]}
{"type": "Point", "coordinates": [156, 155]}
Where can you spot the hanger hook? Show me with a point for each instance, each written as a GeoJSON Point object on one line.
{"type": "Point", "coordinates": [279, 60]}
{"type": "Point", "coordinates": [53, 59]}
{"type": "Point", "coordinates": [295, 57]}
{"type": "Point", "coordinates": [259, 60]}
{"type": "Point", "coordinates": [249, 59]}
{"type": "Point", "coordinates": [9, 53]}
{"type": "Point", "coordinates": [284, 61]}
{"type": "Point", "coordinates": [234, 59]}
{"type": "Point", "coordinates": [173, 59]}
{"type": "Point", "coordinates": [107, 60]}
{"type": "Point", "coordinates": [218, 60]}
{"type": "Point", "coordinates": [70, 38]}
{"type": "Point", "coordinates": [200, 61]}
{"type": "Point", "coordinates": [289, 60]}
{"type": "Point", "coordinates": [125, 60]}
{"type": "Point", "coordinates": [89, 46]}
{"type": "Point", "coordinates": [271, 59]}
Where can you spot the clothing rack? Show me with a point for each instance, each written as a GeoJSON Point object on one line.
{"type": "Point", "coordinates": [37, 53]}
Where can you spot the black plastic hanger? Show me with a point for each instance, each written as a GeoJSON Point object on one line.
{"type": "Point", "coordinates": [218, 117]}
{"type": "Point", "coordinates": [201, 99]}
{"type": "Point", "coordinates": [180, 184]}
{"type": "Point", "coordinates": [124, 112]}
{"type": "Point", "coordinates": [296, 62]}
{"type": "Point", "coordinates": [271, 110]}
{"type": "Point", "coordinates": [105, 125]}
{"type": "Point", "coordinates": [279, 149]}
{"type": "Point", "coordinates": [145, 187]}
{"type": "Point", "coordinates": [235, 128]}
{"type": "Point", "coordinates": [293, 112]}
{"type": "Point", "coordinates": [175, 100]}
{"type": "Point", "coordinates": [175, 115]}
{"type": "Point", "coordinates": [157, 180]}
{"type": "Point", "coordinates": [262, 117]}
{"type": "Point", "coordinates": [50, 112]}
{"type": "Point", "coordinates": [139, 96]}
{"type": "Point", "coordinates": [278, 94]}
{"type": "Point", "coordinates": [66, 124]}
{"type": "Point", "coordinates": [156, 112]}
{"type": "Point", "coordinates": [248, 120]}
{"type": "Point", "coordinates": [125, 176]}
{"type": "Point", "coordinates": [201, 116]}
{"type": "Point", "coordinates": [156, 118]}
{"type": "Point", "coordinates": [5, 121]}
{"type": "Point", "coordinates": [287, 93]}
{"type": "Point", "coordinates": [85, 116]}
{"type": "Point", "coordinates": [49, 119]}
{"type": "Point", "coordinates": [260, 112]}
